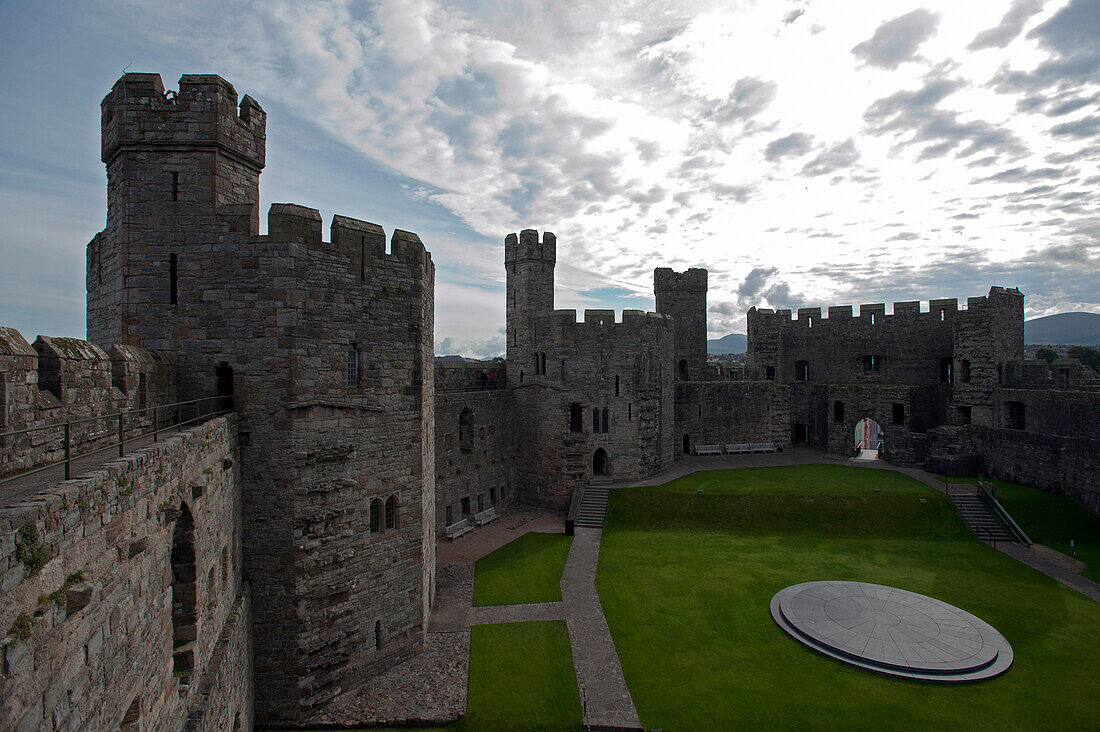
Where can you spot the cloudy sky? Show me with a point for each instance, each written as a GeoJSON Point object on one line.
{"type": "Point", "coordinates": [805, 152]}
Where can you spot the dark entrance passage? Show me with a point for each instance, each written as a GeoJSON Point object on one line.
{"type": "Point", "coordinates": [687, 445]}
{"type": "Point", "coordinates": [800, 433]}
{"type": "Point", "coordinates": [599, 462]}
{"type": "Point", "coordinates": [224, 377]}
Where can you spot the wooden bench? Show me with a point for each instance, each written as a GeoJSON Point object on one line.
{"type": "Point", "coordinates": [708, 449]}
{"type": "Point", "coordinates": [739, 448]}
{"type": "Point", "coordinates": [763, 447]}
{"type": "Point", "coordinates": [487, 516]}
{"type": "Point", "coordinates": [458, 528]}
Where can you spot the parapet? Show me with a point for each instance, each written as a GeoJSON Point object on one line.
{"type": "Point", "coordinates": [667, 280]}
{"type": "Point", "coordinates": [204, 113]}
{"type": "Point", "coordinates": [291, 222]}
{"type": "Point", "coordinates": [601, 317]}
{"type": "Point", "coordinates": [526, 247]}
{"type": "Point", "coordinates": [873, 313]}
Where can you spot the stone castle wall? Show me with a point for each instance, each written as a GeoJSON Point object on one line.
{"type": "Point", "coordinates": [58, 379]}
{"type": "Point", "coordinates": [326, 347]}
{"type": "Point", "coordinates": [107, 621]}
{"type": "Point", "coordinates": [732, 412]}
{"type": "Point", "coordinates": [475, 442]}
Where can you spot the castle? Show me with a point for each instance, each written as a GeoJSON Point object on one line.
{"type": "Point", "coordinates": [257, 565]}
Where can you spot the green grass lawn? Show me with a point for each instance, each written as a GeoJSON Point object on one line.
{"type": "Point", "coordinates": [521, 678]}
{"type": "Point", "coordinates": [801, 480]}
{"type": "Point", "coordinates": [688, 609]}
{"type": "Point", "coordinates": [1052, 520]}
{"type": "Point", "coordinates": [527, 569]}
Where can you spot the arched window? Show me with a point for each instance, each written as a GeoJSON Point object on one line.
{"type": "Point", "coordinates": [375, 516]}
{"type": "Point", "coordinates": [184, 594]}
{"type": "Point", "coordinates": [465, 424]}
{"type": "Point", "coordinates": [391, 513]}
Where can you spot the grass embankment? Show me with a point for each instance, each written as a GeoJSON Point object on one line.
{"type": "Point", "coordinates": [688, 608]}
{"type": "Point", "coordinates": [1051, 520]}
{"type": "Point", "coordinates": [527, 569]}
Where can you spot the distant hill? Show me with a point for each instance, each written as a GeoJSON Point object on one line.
{"type": "Point", "coordinates": [1071, 328]}
{"type": "Point", "coordinates": [733, 343]}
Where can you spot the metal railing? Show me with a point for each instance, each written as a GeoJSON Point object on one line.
{"type": "Point", "coordinates": [175, 409]}
{"type": "Point", "coordinates": [988, 494]}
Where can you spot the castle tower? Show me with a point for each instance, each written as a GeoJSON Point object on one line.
{"type": "Point", "coordinates": [173, 160]}
{"type": "Point", "coordinates": [529, 265]}
{"type": "Point", "coordinates": [683, 295]}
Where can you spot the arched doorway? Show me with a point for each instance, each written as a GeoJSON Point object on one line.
{"type": "Point", "coordinates": [869, 439]}
{"type": "Point", "coordinates": [687, 445]}
{"type": "Point", "coordinates": [599, 462]}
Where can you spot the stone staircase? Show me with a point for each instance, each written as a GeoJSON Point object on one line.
{"type": "Point", "coordinates": [977, 516]}
{"type": "Point", "coordinates": [593, 507]}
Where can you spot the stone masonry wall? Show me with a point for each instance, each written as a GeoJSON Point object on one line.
{"type": "Point", "coordinates": [90, 584]}
{"type": "Point", "coordinates": [733, 412]}
{"type": "Point", "coordinates": [475, 443]}
{"type": "Point", "coordinates": [59, 379]}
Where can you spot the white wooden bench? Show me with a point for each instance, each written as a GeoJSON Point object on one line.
{"type": "Point", "coordinates": [708, 449]}
{"type": "Point", "coordinates": [488, 515]}
{"type": "Point", "coordinates": [458, 528]}
{"type": "Point", "coordinates": [739, 448]}
{"type": "Point", "coordinates": [763, 447]}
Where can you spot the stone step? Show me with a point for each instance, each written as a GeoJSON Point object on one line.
{"type": "Point", "coordinates": [983, 523]}
{"type": "Point", "coordinates": [593, 508]}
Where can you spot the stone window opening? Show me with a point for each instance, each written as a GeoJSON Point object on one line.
{"type": "Point", "coordinates": [542, 363]}
{"type": "Point", "coordinates": [563, 369]}
{"type": "Point", "coordinates": [466, 506]}
{"type": "Point", "coordinates": [480, 502]}
{"type": "Point", "coordinates": [173, 278]}
{"type": "Point", "coordinates": [595, 419]}
{"type": "Point", "coordinates": [947, 368]}
{"type": "Point", "coordinates": [683, 368]}
{"type": "Point", "coordinates": [964, 371]}
{"type": "Point", "coordinates": [872, 363]}
{"type": "Point", "coordinates": [838, 411]}
{"type": "Point", "coordinates": [375, 516]}
{"type": "Point", "coordinates": [223, 379]}
{"type": "Point", "coordinates": [802, 370]}
{"type": "Point", "coordinates": [131, 719]}
{"type": "Point", "coordinates": [353, 366]}
{"type": "Point", "coordinates": [872, 318]}
{"type": "Point", "coordinates": [964, 415]}
{"type": "Point", "coordinates": [616, 385]}
{"type": "Point", "coordinates": [1014, 415]}
{"type": "Point", "coordinates": [629, 411]}
{"type": "Point", "coordinates": [521, 376]}
{"type": "Point", "coordinates": [810, 322]}
{"type": "Point", "coordinates": [536, 356]}
{"type": "Point", "coordinates": [576, 418]}
{"type": "Point", "coordinates": [391, 513]}
{"type": "Point", "coordinates": [184, 594]}
{"type": "Point", "coordinates": [604, 420]}
{"type": "Point", "coordinates": [897, 415]}
{"type": "Point", "coordinates": [943, 316]}
{"type": "Point", "coordinates": [465, 424]}
{"type": "Point", "coordinates": [377, 635]}
{"type": "Point", "coordinates": [175, 186]}
{"type": "Point", "coordinates": [769, 373]}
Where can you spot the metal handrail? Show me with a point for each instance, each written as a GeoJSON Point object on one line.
{"type": "Point", "coordinates": [990, 499]}
{"type": "Point", "coordinates": [66, 428]}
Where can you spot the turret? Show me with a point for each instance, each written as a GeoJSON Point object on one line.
{"type": "Point", "coordinates": [683, 295]}
{"type": "Point", "coordinates": [529, 265]}
{"type": "Point", "coordinates": [174, 160]}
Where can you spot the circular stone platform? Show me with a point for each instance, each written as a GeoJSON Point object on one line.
{"type": "Point", "coordinates": [891, 631]}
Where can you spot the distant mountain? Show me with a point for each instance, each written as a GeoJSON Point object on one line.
{"type": "Point", "coordinates": [733, 343]}
{"type": "Point", "coordinates": [1070, 328]}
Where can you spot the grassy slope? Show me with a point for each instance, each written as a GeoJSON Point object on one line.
{"type": "Point", "coordinates": [798, 480]}
{"type": "Point", "coordinates": [689, 614]}
{"type": "Point", "coordinates": [1052, 520]}
{"type": "Point", "coordinates": [527, 569]}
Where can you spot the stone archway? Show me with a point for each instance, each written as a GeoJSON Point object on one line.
{"type": "Point", "coordinates": [600, 462]}
{"type": "Point", "coordinates": [869, 439]}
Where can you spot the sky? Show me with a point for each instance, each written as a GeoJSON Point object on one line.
{"type": "Point", "coordinates": [807, 153]}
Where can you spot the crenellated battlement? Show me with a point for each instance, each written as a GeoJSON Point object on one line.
{"type": "Point", "coordinates": [138, 112]}
{"type": "Point", "coordinates": [362, 241]}
{"type": "Point", "coordinates": [667, 280]}
{"type": "Point", "coordinates": [871, 313]}
{"type": "Point", "coordinates": [603, 318]}
{"type": "Point", "coordinates": [527, 247]}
